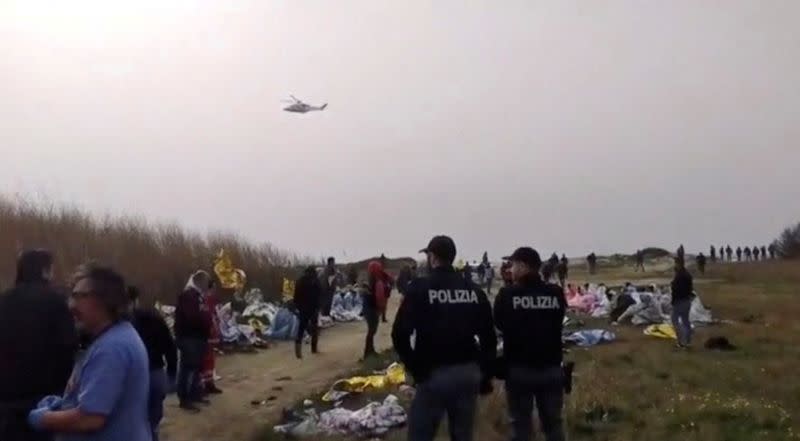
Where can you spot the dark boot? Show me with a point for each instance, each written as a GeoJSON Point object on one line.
{"type": "Point", "coordinates": [314, 341]}
{"type": "Point", "coordinates": [212, 388]}
{"type": "Point", "coordinates": [298, 351]}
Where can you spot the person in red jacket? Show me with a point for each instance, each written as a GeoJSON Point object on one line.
{"type": "Point", "coordinates": [209, 360]}
{"type": "Point", "coordinates": [374, 304]}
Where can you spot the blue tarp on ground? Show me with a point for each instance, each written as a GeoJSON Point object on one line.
{"type": "Point", "coordinates": [284, 326]}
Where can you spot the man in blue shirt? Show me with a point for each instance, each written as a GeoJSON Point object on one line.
{"type": "Point", "coordinates": [106, 397]}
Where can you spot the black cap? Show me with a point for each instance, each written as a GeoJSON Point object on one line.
{"type": "Point", "coordinates": [442, 247]}
{"type": "Point", "coordinates": [526, 255]}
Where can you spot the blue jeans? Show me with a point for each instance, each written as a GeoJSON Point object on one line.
{"type": "Point", "coordinates": [155, 405]}
{"type": "Point", "coordinates": [546, 388]}
{"type": "Point", "coordinates": [191, 360]}
{"type": "Point", "coordinates": [452, 390]}
{"type": "Point", "coordinates": [681, 322]}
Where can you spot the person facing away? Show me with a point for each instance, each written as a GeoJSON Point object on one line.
{"type": "Point", "coordinates": [450, 368]}
{"type": "Point", "coordinates": [772, 251]}
{"type": "Point", "coordinates": [307, 294]}
{"type": "Point", "coordinates": [639, 260]}
{"type": "Point", "coordinates": [192, 330]}
{"type": "Point", "coordinates": [748, 254]}
{"type": "Point", "coordinates": [107, 395]}
{"type": "Point", "coordinates": [701, 263]}
{"type": "Point", "coordinates": [328, 283]}
{"type": "Point", "coordinates": [38, 342]}
{"type": "Point", "coordinates": [489, 278]}
{"type": "Point", "coordinates": [738, 254]}
{"type": "Point", "coordinates": [563, 270]}
{"type": "Point", "coordinates": [374, 304]}
{"type": "Point", "coordinates": [682, 296]}
{"type": "Point", "coordinates": [161, 353]}
{"type": "Point", "coordinates": [532, 307]}
{"type": "Point", "coordinates": [756, 253]}
{"type": "Point", "coordinates": [713, 254]}
{"type": "Point", "coordinates": [681, 252]}
{"type": "Point", "coordinates": [764, 253]}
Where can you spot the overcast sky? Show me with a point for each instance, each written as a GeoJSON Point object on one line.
{"type": "Point", "coordinates": [566, 125]}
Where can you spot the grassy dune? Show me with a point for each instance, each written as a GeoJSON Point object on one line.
{"type": "Point", "coordinates": [156, 257]}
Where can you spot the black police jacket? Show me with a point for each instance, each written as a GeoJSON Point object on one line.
{"type": "Point", "coordinates": [452, 319]}
{"type": "Point", "coordinates": [530, 317]}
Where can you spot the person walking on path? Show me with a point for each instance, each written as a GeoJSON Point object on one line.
{"type": "Point", "coordinates": [455, 346]}
{"type": "Point", "coordinates": [38, 342]}
{"type": "Point", "coordinates": [374, 304]}
{"type": "Point", "coordinates": [161, 352]}
{"type": "Point", "coordinates": [328, 282]}
{"type": "Point", "coordinates": [307, 294]}
{"type": "Point", "coordinates": [700, 260]}
{"type": "Point", "coordinates": [563, 270]}
{"type": "Point", "coordinates": [682, 296]}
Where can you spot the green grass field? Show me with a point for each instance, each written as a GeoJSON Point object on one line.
{"type": "Point", "coordinates": [641, 388]}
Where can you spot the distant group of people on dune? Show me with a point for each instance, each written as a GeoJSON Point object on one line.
{"type": "Point", "coordinates": [94, 365]}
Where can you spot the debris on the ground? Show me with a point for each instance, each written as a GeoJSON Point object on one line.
{"type": "Point", "coordinates": [590, 337]}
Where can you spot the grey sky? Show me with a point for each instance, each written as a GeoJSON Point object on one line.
{"type": "Point", "coordinates": [568, 125]}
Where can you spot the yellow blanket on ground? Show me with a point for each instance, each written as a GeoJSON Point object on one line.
{"type": "Point", "coordinates": [663, 330]}
{"type": "Point", "coordinates": [395, 375]}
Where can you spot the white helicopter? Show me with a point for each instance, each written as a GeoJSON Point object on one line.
{"type": "Point", "coordinates": [298, 106]}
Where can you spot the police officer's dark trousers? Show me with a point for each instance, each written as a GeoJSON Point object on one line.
{"type": "Point", "coordinates": [544, 387]}
{"type": "Point", "coordinates": [452, 390]}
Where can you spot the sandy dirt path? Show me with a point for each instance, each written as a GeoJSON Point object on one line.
{"type": "Point", "coordinates": [248, 377]}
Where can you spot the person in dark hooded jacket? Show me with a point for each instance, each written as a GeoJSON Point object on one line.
{"type": "Point", "coordinates": [38, 341]}
{"type": "Point", "coordinates": [307, 294]}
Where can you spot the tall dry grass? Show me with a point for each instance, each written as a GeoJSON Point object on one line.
{"type": "Point", "coordinates": [158, 258]}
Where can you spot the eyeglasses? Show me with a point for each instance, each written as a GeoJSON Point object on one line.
{"type": "Point", "coordinates": [80, 295]}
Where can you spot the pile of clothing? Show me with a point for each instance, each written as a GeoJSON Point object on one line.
{"type": "Point", "coordinates": [374, 419]}
{"type": "Point", "coordinates": [654, 306]}
{"type": "Point", "coordinates": [591, 300]}
{"type": "Point", "coordinates": [347, 305]}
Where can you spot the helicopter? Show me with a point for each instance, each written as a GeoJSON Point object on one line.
{"type": "Point", "coordinates": [297, 106]}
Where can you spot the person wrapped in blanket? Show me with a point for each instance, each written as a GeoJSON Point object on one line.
{"type": "Point", "coordinates": [209, 359]}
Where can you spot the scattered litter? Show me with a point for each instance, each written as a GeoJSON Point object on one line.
{"type": "Point", "coordinates": [395, 374]}
{"type": "Point", "coordinates": [590, 337]}
{"type": "Point", "coordinates": [308, 403]}
{"type": "Point", "coordinates": [277, 389]}
{"type": "Point", "coordinates": [286, 378]}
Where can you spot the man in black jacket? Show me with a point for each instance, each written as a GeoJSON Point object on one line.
{"type": "Point", "coordinates": [38, 342]}
{"type": "Point", "coordinates": [447, 313]}
{"type": "Point", "coordinates": [682, 296]}
{"type": "Point", "coordinates": [192, 330]}
{"type": "Point", "coordinates": [530, 316]}
{"type": "Point", "coordinates": [307, 293]}
{"type": "Point", "coordinates": [161, 352]}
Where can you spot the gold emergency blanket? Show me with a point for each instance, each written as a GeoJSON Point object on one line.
{"type": "Point", "coordinates": [663, 330]}
{"type": "Point", "coordinates": [395, 375]}
{"type": "Point", "coordinates": [229, 276]}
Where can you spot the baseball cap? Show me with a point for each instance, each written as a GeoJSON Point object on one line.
{"type": "Point", "coordinates": [526, 255]}
{"type": "Point", "coordinates": [442, 247]}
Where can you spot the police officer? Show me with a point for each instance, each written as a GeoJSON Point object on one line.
{"type": "Point", "coordinates": [530, 315]}
{"type": "Point", "coordinates": [449, 367]}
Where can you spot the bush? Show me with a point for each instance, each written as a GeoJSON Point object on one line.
{"type": "Point", "coordinates": [157, 258]}
{"type": "Point", "coordinates": [787, 245]}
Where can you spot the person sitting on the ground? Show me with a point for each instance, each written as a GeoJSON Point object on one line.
{"type": "Point", "coordinates": [161, 351]}
{"type": "Point", "coordinates": [38, 342]}
{"type": "Point", "coordinates": [106, 398]}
